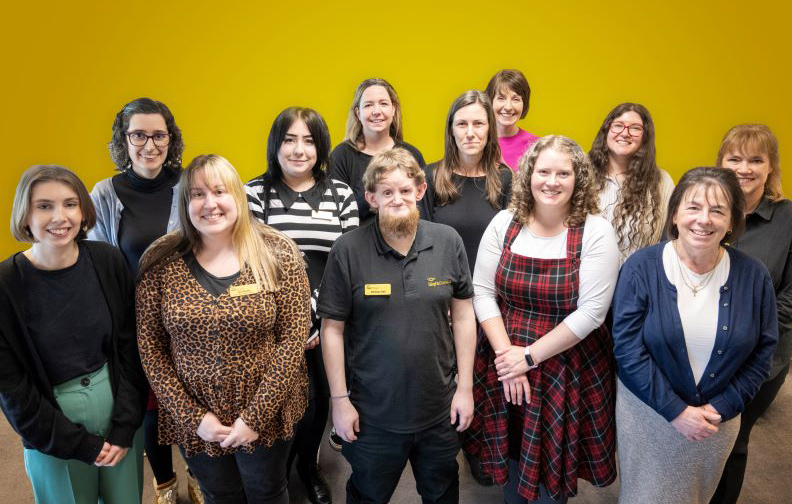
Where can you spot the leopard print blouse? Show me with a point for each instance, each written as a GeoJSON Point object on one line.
{"type": "Point", "coordinates": [238, 357]}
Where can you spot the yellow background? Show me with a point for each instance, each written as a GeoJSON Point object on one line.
{"type": "Point", "coordinates": [226, 69]}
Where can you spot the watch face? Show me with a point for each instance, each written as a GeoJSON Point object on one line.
{"type": "Point", "coordinates": [529, 359]}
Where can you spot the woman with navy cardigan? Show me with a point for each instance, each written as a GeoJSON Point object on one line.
{"type": "Point", "coordinates": [694, 331]}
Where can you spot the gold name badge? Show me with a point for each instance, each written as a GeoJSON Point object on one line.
{"type": "Point", "coordinates": [243, 290]}
{"type": "Point", "coordinates": [378, 289]}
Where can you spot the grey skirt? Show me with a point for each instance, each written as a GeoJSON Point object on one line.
{"type": "Point", "coordinates": [657, 465]}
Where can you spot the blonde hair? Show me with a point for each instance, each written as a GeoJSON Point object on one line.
{"type": "Point", "coordinates": [584, 195]}
{"type": "Point", "coordinates": [257, 245]}
{"type": "Point", "coordinates": [24, 192]}
{"type": "Point", "coordinates": [749, 139]}
{"type": "Point", "coordinates": [354, 130]}
{"type": "Point", "coordinates": [385, 162]}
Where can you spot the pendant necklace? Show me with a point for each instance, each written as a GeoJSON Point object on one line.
{"type": "Point", "coordinates": [695, 288]}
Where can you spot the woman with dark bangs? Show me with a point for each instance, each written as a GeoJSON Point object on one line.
{"type": "Point", "coordinates": [751, 151]}
{"type": "Point", "coordinates": [510, 94]}
{"type": "Point", "coordinates": [134, 208]}
{"type": "Point", "coordinates": [634, 192]}
{"type": "Point", "coordinates": [543, 377]}
{"type": "Point", "coordinates": [296, 197]}
{"type": "Point", "coordinates": [374, 125]}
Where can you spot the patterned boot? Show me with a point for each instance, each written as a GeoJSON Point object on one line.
{"type": "Point", "coordinates": [166, 493]}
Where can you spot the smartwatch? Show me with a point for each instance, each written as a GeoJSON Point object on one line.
{"type": "Point", "coordinates": [529, 360]}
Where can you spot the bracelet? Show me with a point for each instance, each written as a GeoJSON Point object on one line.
{"type": "Point", "coordinates": [340, 396]}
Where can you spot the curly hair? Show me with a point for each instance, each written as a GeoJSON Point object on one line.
{"type": "Point", "coordinates": [445, 189]}
{"type": "Point", "coordinates": [584, 195]}
{"type": "Point", "coordinates": [119, 150]}
{"type": "Point", "coordinates": [637, 217]}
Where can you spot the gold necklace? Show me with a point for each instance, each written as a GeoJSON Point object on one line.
{"type": "Point", "coordinates": [695, 288]}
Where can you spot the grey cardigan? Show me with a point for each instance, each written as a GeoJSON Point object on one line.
{"type": "Point", "coordinates": [108, 212]}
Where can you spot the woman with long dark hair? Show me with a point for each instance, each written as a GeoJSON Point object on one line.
{"type": "Point", "coordinates": [634, 191]}
{"type": "Point", "coordinates": [296, 197]}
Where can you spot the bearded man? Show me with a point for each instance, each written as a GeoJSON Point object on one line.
{"type": "Point", "coordinates": [390, 354]}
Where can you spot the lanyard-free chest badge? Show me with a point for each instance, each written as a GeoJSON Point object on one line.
{"type": "Point", "coordinates": [377, 289]}
{"type": "Point", "coordinates": [243, 290]}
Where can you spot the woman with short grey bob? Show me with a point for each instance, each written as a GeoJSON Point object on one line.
{"type": "Point", "coordinates": [694, 330]}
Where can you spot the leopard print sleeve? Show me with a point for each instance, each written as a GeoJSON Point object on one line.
{"type": "Point", "coordinates": [281, 395]}
{"type": "Point", "coordinates": [154, 344]}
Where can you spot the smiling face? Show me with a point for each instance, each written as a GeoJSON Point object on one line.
{"type": "Point", "coordinates": [147, 159]}
{"type": "Point", "coordinates": [297, 153]}
{"type": "Point", "coordinates": [55, 216]}
{"type": "Point", "coordinates": [375, 110]}
{"type": "Point", "coordinates": [212, 209]}
{"type": "Point", "coordinates": [752, 170]}
{"type": "Point", "coordinates": [471, 128]}
{"type": "Point", "coordinates": [508, 107]}
{"type": "Point", "coordinates": [627, 141]}
{"type": "Point", "coordinates": [396, 195]}
{"type": "Point", "coordinates": [703, 218]}
{"type": "Point", "coordinates": [552, 180]}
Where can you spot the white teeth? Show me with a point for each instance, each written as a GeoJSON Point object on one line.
{"type": "Point", "coordinates": [551, 193]}
{"type": "Point", "coordinates": [700, 232]}
{"type": "Point", "coordinates": [59, 231]}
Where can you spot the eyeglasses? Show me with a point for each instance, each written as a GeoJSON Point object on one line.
{"type": "Point", "coordinates": [634, 131]}
{"type": "Point", "coordinates": [139, 139]}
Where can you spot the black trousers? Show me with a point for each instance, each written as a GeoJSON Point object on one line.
{"type": "Point", "coordinates": [243, 478]}
{"type": "Point", "coordinates": [378, 459]}
{"type": "Point", "coordinates": [734, 472]}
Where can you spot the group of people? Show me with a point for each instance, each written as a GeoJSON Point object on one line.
{"type": "Point", "coordinates": [529, 302]}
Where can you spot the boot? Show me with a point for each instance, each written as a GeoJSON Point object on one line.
{"type": "Point", "coordinates": [166, 493]}
{"type": "Point", "coordinates": [194, 489]}
{"type": "Point", "coordinates": [315, 486]}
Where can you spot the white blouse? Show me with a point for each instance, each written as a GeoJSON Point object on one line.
{"type": "Point", "coordinates": [699, 313]}
{"type": "Point", "coordinates": [599, 268]}
{"type": "Point", "coordinates": [609, 197]}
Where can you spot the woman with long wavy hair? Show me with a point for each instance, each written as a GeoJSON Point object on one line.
{"type": "Point", "coordinates": [634, 191]}
{"type": "Point", "coordinates": [223, 312]}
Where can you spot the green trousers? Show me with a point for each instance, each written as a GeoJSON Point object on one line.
{"type": "Point", "coordinates": [58, 481]}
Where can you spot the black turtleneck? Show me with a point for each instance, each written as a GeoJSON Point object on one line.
{"type": "Point", "coordinates": [147, 206]}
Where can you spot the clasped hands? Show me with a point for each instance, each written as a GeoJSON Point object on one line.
{"type": "Point", "coordinates": [213, 431]}
{"type": "Point", "coordinates": [512, 368]}
{"type": "Point", "coordinates": [110, 455]}
{"type": "Point", "coordinates": [697, 422]}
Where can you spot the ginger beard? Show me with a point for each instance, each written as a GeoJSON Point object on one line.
{"type": "Point", "coordinates": [400, 226]}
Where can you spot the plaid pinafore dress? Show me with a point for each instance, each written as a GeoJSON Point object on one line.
{"type": "Point", "coordinates": [568, 429]}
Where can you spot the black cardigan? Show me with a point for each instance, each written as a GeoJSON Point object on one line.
{"type": "Point", "coordinates": [25, 392]}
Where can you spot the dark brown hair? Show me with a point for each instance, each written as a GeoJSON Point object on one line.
{"type": "Point", "coordinates": [709, 177]}
{"type": "Point", "coordinates": [119, 149]}
{"type": "Point", "coordinates": [445, 189]}
{"type": "Point", "coordinates": [514, 80]}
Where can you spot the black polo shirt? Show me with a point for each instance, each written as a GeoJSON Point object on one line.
{"type": "Point", "coordinates": [399, 349]}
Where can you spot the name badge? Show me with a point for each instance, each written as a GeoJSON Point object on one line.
{"type": "Point", "coordinates": [243, 290]}
{"type": "Point", "coordinates": [322, 215]}
{"type": "Point", "coordinates": [378, 289]}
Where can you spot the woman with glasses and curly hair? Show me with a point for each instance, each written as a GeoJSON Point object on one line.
{"type": "Point", "coordinates": [543, 377]}
{"type": "Point", "coordinates": [134, 208]}
{"type": "Point", "coordinates": [374, 125]}
{"type": "Point", "coordinates": [634, 192]}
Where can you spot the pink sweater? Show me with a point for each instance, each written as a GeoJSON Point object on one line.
{"type": "Point", "coordinates": [514, 146]}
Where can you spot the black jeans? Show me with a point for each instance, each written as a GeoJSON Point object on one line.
{"type": "Point", "coordinates": [160, 457]}
{"type": "Point", "coordinates": [378, 459]}
{"type": "Point", "coordinates": [243, 478]}
{"type": "Point", "coordinates": [734, 472]}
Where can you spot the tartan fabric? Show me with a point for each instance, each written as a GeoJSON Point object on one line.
{"type": "Point", "coordinates": [569, 426]}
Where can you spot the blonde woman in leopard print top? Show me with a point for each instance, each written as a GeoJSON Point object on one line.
{"type": "Point", "coordinates": [223, 313]}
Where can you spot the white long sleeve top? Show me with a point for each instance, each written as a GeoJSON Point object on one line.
{"type": "Point", "coordinates": [599, 268]}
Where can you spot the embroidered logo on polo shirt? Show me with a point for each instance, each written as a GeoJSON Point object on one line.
{"type": "Point", "coordinates": [433, 282]}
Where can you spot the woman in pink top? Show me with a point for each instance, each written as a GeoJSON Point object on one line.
{"type": "Point", "coordinates": [510, 95]}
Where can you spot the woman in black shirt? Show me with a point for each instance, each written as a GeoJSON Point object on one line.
{"type": "Point", "coordinates": [134, 208]}
{"type": "Point", "coordinates": [71, 384]}
{"type": "Point", "coordinates": [374, 125]}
